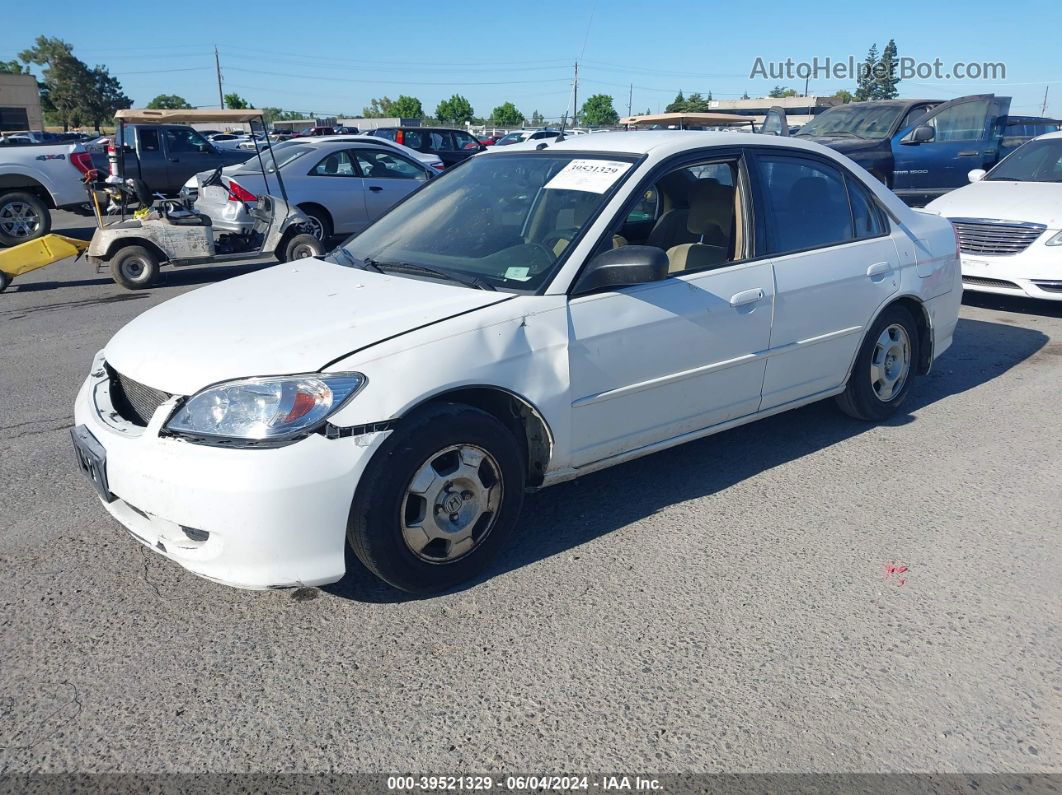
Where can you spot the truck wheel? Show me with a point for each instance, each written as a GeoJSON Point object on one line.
{"type": "Point", "coordinates": [302, 246]}
{"type": "Point", "coordinates": [5, 280]}
{"type": "Point", "coordinates": [23, 217]}
{"type": "Point", "coordinates": [135, 267]}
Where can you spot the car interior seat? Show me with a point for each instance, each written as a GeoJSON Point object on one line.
{"type": "Point", "coordinates": [710, 220]}
{"type": "Point", "coordinates": [671, 228]}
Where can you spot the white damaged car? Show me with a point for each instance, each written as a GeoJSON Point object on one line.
{"type": "Point", "coordinates": [526, 318]}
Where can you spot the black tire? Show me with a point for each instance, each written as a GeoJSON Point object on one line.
{"type": "Point", "coordinates": [5, 280]}
{"type": "Point", "coordinates": [381, 504]}
{"type": "Point", "coordinates": [23, 217]}
{"type": "Point", "coordinates": [135, 267]}
{"type": "Point", "coordinates": [863, 395]}
{"type": "Point", "coordinates": [302, 246]}
{"type": "Point", "coordinates": [321, 221]}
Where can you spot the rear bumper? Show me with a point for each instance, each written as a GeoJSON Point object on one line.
{"type": "Point", "coordinates": [266, 518]}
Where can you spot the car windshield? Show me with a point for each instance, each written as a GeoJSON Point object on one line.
{"type": "Point", "coordinates": [512, 138]}
{"type": "Point", "coordinates": [505, 219]}
{"type": "Point", "coordinates": [859, 121]}
{"type": "Point", "coordinates": [1036, 161]}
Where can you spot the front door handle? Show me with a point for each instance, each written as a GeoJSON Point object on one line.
{"type": "Point", "coordinates": [967, 154]}
{"type": "Point", "coordinates": [747, 297]}
{"type": "Point", "coordinates": [375, 188]}
{"type": "Point", "coordinates": [878, 269]}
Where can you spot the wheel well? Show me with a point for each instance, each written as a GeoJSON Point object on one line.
{"type": "Point", "coordinates": [517, 414]}
{"type": "Point", "coordinates": [925, 333]}
{"type": "Point", "coordinates": [125, 242]}
{"type": "Point", "coordinates": [314, 206]}
{"type": "Point", "coordinates": [12, 183]}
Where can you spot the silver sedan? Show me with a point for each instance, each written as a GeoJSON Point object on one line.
{"type": "Point", "coordinates": [341, 186]}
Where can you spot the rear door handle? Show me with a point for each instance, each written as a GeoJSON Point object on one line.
{"type": "Point", "coordinates": [375, 188]}
{"type": "Point", "coordinates": [967, 154]}
{"type": "Point", "coordinates": [879, 269]}
{"type": "Point", "coordinates": [747, 297]}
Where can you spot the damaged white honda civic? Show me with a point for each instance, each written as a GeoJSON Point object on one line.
{"type": "Point", "coordinates": [529, 316]}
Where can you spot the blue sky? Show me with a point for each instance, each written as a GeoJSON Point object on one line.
{"type": "Point", "coordinates": [327, 57]}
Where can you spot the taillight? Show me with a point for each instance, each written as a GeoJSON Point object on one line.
{"type": "Point", "coordinates": [400, 137]}
{"type": "Point", "coordinates": [238, 193]}
{"type": "Point", "coordinates": [438, 166]}
{"type": "Point", "coordinates": [82, 161]}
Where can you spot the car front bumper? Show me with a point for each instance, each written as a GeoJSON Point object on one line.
{"type": "Point", "coordinates": [250, 518]}
{"type": "Point", "coordinates": [1021, 275]}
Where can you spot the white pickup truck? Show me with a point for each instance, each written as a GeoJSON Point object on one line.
{"type": "Point", "coordinates": [36, 178]}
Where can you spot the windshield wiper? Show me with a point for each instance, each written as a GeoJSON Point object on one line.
{"type": "Point", "coordinates": [408, 267]}
{"type": "Point", "coordinates": [340, 256]}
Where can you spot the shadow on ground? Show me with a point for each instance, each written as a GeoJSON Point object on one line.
{"type": "Point", "coordinates": [564, 517]}
{"type": "Point", "coordinates": [171, 277]}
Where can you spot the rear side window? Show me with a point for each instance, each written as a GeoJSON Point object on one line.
{"type": "Point", "coordinates": [465, 141]}
{"type": "Point", "coordinates": [865, 214]}
{"type": "Point", "coordinates": [149, 139]}
{"type": "Point", "coordinates": [388, 134]}
{"type": "Point", "coordinates": [806, 204]}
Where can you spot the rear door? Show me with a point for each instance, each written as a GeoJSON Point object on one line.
{"type": "Point", "coordinates": [387, 177]}
{"type": "Point", "coordinates": [967, 135]}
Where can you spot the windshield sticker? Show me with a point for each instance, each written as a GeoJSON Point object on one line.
{"type": "Point", "coordinates": [593, 176]}
{"type": "Point", "coordinates": [518, 274]}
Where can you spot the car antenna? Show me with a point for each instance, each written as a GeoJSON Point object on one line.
{"type": "Point", "coordinates": [560, 135]}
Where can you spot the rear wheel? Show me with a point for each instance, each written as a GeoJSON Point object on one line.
{"type": "Point", "coordinates": [440, 498]}
{"type": "Point", "coordinates": [884, 368]}
{"type": "Point", "coordinates": [135, 267]}
{"type": "Point", "coordinates": [301, 247]}
{"type": "Point", "coordinates": [23, 217]}
{"type": "Point", "coordinates": [320, 225]}
{"type": "Point", "coordinates": [5, 280]}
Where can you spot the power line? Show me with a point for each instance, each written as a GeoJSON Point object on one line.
{"type": "Point", "coordinates": [398, 82]}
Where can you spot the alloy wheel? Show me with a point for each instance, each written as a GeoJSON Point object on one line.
{"type": "Point", "coordinates": [890, 363]}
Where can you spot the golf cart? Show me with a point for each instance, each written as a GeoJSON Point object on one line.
{"type": "Point", "coordinates": [774, 122]}
{"type": "Point", "coordinates": [151, 231]}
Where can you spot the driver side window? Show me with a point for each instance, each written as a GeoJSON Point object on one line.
{"type": "Point", "coordinates": [963, 122]}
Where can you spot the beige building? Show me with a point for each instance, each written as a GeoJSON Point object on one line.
{"type": "Point", "coordinates": [20, 103]}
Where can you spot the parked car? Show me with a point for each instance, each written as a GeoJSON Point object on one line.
{"type": "Point", "coordinates": [341, 186]}
{"type": "Point", "coordinates": [229, 141]}
{"type": "Point", "coordinates": [521, 136]}
{"type": "Point", "coordinates": [508, 327]}
{"type": "Point", "coordinates": [36, 178]}
{"type": "Point", "coordinates": [1009, 223]}
{"type": "Point", "coordinates": [164, 156]}
{"type": "Point", "coordinates": [922, 148]}
{"type": "Point", "coordinates": [452, 146]}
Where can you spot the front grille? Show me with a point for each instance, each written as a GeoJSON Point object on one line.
{"type": "Point", "coordinates": [995, 238]}
{"type": "Point", "coordinates": [1051, 287]}
{"type": "Point", "coordinates": [134, 401]}
{"type": "Point", "coordinates": [980, 282]}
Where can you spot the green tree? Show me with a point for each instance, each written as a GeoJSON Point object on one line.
{"type": "Point", "coordinates": [236, 102]}
{"type": "Point", "coordinates": [844, 95]}
{"type": "Point", "coordinates": [169, 102]}
{"type": "Point", "coordinates": [455, 110]}
{"type": "Point", "coordinates": [887, 80]}
{"type": "Point", "coordinates": [507, 115]}
{"type": "Point", "coordinates": [407, 108]}
{"type": "Point", "coordinates": [778, 92]}
{"type": "Point", "coordinates": [13, 68]}
{"type": "Point", "coordinates": [745, 95]}
{"type": "Point", "coordinates": [537, 119]}
{"type": "Point", "coordinates": [695, 103]}
{"type": "Point", "coordinates": [678, 105]}
{"type": "Point", "coordinates": [105, 98]}
{"type": "Point", "coordinates": [67, 81]}
{"type": "Point", "coordinates": [378, 108]}
{"type": "Point", "coordinates": [598, 111]}
{"type": "Point", "coordinates": [865, 81]}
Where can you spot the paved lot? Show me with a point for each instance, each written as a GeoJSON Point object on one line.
{"type": "Point", "coordinates": [724, 606]}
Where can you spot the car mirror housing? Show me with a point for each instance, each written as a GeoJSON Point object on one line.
{"type": "Point", "coordinates": [621, 267]}
{"type": "Point", "coordinates": [976, 174]}
{"type": "Point", "coordinates": [922, 134]}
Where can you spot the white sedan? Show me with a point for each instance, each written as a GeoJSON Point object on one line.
{"type": "Point", "coordinates": [523, 319]}
{"type": "Point", "coordinates": [1009, 222]}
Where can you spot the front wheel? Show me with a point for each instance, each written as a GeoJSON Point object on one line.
{"type": "Point", "coordinates": [440, 498]}
{"type": "Point", "coordinates": [301, 247]}
{"type": "Point", "coordinates": [135, 267]}
{"type": "Point", "coordinates": [884, 368]}
{"type": "Point", "coordinates": [5, 280]}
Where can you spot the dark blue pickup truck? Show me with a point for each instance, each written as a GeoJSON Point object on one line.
{"type": "Point", "coordinates": [923, 148]}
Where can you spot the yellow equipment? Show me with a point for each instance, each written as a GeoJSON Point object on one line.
{"type": "Point", "coordinates": [27, 257]}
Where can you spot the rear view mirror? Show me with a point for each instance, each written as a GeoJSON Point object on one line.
{"type": "Point", "coordinates": [919, 135]}
{"type": "Point", "coordinates": [976, 174]}
{"type": "Point", "coordinates": [620, 267]}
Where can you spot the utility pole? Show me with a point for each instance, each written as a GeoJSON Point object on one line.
{"type": "Point", "coordinates": [217, 67]}
{"type": "Point", "coordinates": [575, 97]}
{"type": "Point", "coordinates": [1043, 108]}
{"type": "Point", "coordinates": [630, 99]}
{"type": "Point", "coordinates": [806, 79]}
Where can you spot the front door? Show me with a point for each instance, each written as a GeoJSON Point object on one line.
{"type": "Point", "coordinates": [834, 262]}
{"type": "Point", "coordinates": [187, 153]}
{"type": "Point", "coordinates": [335, 183]}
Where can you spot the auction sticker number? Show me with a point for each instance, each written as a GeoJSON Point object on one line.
{"type": "Point", "coordinates": [592, 176]}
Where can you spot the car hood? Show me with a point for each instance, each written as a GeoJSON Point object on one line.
{"type": "Point", "coordinates": [844, 144]}
{"type": "Point", "coordinates": [1036, 202]}
{"type": "Point", "coordinates": [291, 318]}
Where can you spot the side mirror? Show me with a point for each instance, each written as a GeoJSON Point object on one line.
{"type": "Point", "coordinates": [919, 135]}
{"type": "Point", "coordinates": [620, 267]}
{"type": "Point", "coordinates": [976, 174]}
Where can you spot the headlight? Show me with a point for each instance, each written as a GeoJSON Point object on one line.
{"type": "Point", "coordinates": [263, 410]}
{"type": "Point", "coordinates": [1055, 241]}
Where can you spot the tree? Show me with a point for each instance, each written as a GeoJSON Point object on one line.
{"type": "Point", "coordinates": [746, 95]}
{"type": "Point", "coordinates": [537, 119]}
{"type": "Point", "coordinates": [598, 111]}
{"type": "Point", "coordinates": [778, 92]}
{"type": "Point", "coordinates": [378, 108]}
{"type": "Point", "coordinates": [695, 103]}
{"type": "Point", "coordinates": [886, 79]}
{"type": "Point", "coordinates": [236, 102]}
{"type": "Point", "coordinates": [507, 115]}
{"type": "Point", "coordinates": [679, 104]}
{"type": "Point", "coordinates": [105, 98]}
{"type": "Point", "coordinates": [169, 102]}
{"type": "Point", "coordinates": [407, 108]}
{"type": "Point", "coordinates": [13, 68]}
{"type": "Point", "coordinates": [844, 95]}
{"type": "Point", "coordinates": [67, 80]}
{"type": "Point", "coordinates": [455, 110]}
{"type": "Point", "coordinates": [865, 82]}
